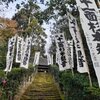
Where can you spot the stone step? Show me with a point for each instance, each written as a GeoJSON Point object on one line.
{"type": "Point", "coordinates": [42, 88]}
{"type": "Point", "coordinates": [42, 68]}
{"type": "Point", "coordinates": [44, 91]}
{"type": "Point", "coordinates": [42, 94]}
{"type": "Point", "coordinates": [41, 98]}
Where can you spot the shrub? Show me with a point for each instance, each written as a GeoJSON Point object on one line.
{"type": "Point", "coordinates": [76, 87]}
{"type": "Point", "coordinates": [14, 80]}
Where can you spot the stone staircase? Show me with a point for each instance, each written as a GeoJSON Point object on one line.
{"type": "Point", "coordinates": [43, 68]}
{"type": "Point", "coordinates": [42, 88]}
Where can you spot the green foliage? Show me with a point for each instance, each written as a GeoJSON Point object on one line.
{"type": "Point", "coordinates": [14, 79]}
{"type": "Point", "coordinates": [29, 21]}
{"type": "Point", "coordinates": [75, 87]}
{"type": "Point", "coordinates": [26, 14]}
{"type": "Point", "coordinates": [2, 73]}
{"type": "Point", "coordinates": [55, 72]}
{"type": "Point", "coordinates": [3, 50]}
{"type": "Point", "coordinates": [60, 6]}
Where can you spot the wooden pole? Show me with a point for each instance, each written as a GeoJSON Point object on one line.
{"type": "Point", "coordinates": [89, 76]}
{"type": "Point", "coordinates": [90, 81]}
{"type": "Point", "coordinates": [72, 71]}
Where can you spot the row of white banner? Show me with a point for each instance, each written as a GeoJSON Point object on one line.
{"type": "Point", "coordinates": [64, 55]}
{"type": "Point", "coordinates": [50, 59]}
{"type": "Point", "coordinates": [23, 51]}
{"type": "Point", "coordinates": [91, 27]}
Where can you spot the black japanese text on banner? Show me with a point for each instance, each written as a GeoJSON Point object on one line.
{"type": "Point", "coordinates": [57, 56]}
{"type": "Point", "coordinates": [70, 52]}
{"type": "Point", "coordinates": [19, 48]}
{"type": "Point", "coordinates": [62, 52]}
{"type": "Point", "coordinates": [88, 16]}
{"type": "Point", "coordinates": [81, 59]}
{"type": "Point", "coordinates": [10, 54]}
{"type": "Point", "coordinates": [26, 53]}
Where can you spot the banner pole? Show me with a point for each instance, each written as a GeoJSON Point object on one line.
{"type": "Point", "coordinates": [72, 71]}
{"type": "Point", "coordinates": [90, 81]}
{"type": "Point", "coordinates": [72, 59]}
{"type": "Point", "coordinates": [89, 76]}
{"type": "Point", "coordinates": [6, 73]}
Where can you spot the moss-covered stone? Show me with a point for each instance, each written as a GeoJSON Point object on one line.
{"type": "Point", "coordinates": [42, 88]}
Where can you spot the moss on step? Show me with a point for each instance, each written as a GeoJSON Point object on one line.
{"type": "Point", "coordinates": [42, 88]}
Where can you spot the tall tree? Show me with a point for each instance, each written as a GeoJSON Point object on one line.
{"type": "Point", "coordinates": [29, 23]}
{"type": "Point", "coordinates": [7, 30]}
{"type": "Point", "coordinates": [57, 9]}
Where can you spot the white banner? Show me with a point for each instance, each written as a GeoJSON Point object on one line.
{"type": "Point", "coordinates": [88, 16]}
{"type": "Point", "coordinates": [26, 53]}
{"type": "Point", "coordinates": [82, 66]}
{"type": "Point", "coordinates": [70, 53]}
{"type": "Point", "coordinates": [62, 56]}
{"type": "Point", "coordinates": [57, 57]}
{"type": "Point", "coordinates": [50, 59]}
{"type": "Point", "coordinates": [19, 48]}
{"type": "Point", "coordinates": [36, 58]}
{"type": "Point", "coordinates": [10, 53]}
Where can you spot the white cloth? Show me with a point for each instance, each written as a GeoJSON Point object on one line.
{"type": "Point", "coordinates": [19, 49]}
{"type": "Point", "coordinates": [26, 53]}
{"type": "Point", "coordinates": [89, 21]}
{"type": "Point", "coordinates": [50, 59]}
{"type": "Point", "coordinates": [82, 66]}
{"type": "Point", "coordinates": [61, 55]}
{"type": "Point", "coordinates": [10, 53]}
{"type": "Point", "coordinates": [36, 58]}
